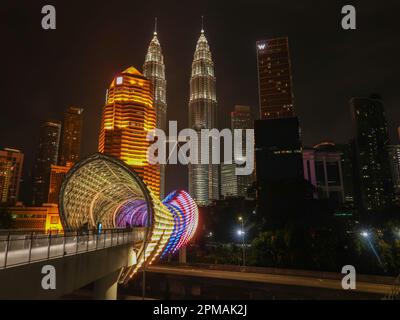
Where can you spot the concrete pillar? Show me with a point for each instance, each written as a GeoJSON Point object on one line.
{"type": "Point", "coordinates": [182, 255]}
{"type": "Point", "coordinates": [106, 288]}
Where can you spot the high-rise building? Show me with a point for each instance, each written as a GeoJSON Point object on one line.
{"type": "Point", "coordinates": [46, 155]}
{"type": "Point", "coordinates": [233, 185]}
{"type": "Point", "coordinates": [374, 183]}
{"type": "Point", "coordinates": [394, 158]}
{"type": "Point", "coordinates": [229, 181]}
{"type": "Point", "coordinates": [154, 70]}
{"type": "Point", "coordinates": [279, 165]}
{"type": "Point", "coordinates": [203, 178]}
{"type": "Point", "coordinates": [71, 135]}
{"type": "Point", "coordinates": [11, 161]}
{"type": "Point", "coordinates": [278, 147]}
{"type": "Point", "coordinates": [278, 150]}
{"type": "Point", "coordinates": [323, 169]}
{"type": "Point", "coordinates": [57, 175]}
{"type": "Point", "coordinates": [128, 117]}
{"type": "Point", "coordinates": [347, 159]}
{"type": "Point", "coordinates": [274, 78]}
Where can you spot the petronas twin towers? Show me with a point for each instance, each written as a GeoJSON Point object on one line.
{"type": "Point", "coordinates": [203, 179]}
{"type": "Point", "coordinates": [154, 70]}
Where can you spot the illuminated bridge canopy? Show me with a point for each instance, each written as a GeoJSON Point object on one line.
{"type": "Point", "coordinates": [103, 190]}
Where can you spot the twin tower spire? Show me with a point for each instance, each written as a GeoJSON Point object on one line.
{"type": "Point", "coordinates": [203, 179]}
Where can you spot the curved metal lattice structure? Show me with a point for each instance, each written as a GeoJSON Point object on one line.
{"type": "Point", "coordinates": [103, 190]}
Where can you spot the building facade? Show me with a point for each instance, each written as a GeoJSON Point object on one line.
{"type": "Point", "coordinates": [394, 158]}
{"type": "Point", "coordinates": [374, 183]}
{"type": "Point", "coordinates": [233, 185]}
{"type": "Point", "coordinates": [43, 218]}
{"type": "Point", "coordinates": [71, 136]}
{"type": "Point", "coordinates": [347, 159]}
{"type": "Point", "coordinates": [274, 78]}
{"type": "Point", "coordinates": [278, 150]}
{"type": "Point", "coordinates": [323, 169]}
{"type": "Point", "coordinates": [11, 162]}
{"type": "Point", "coordinates": [203, 178]}
{"type": "Point", "coordinates": [57, 176]}
{"type": "Point", "coordinates": [128, 117]}
{"type": "Point", "coordinates": [46, 155]}
{"type": "Point", "coordinates": [154, 70]}
{"type": "Point", "coordinates": [229, 181]}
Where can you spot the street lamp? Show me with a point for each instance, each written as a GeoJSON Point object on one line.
{"type": "Point", "coordinates": [367, 236]}
{"type": "Point", "coordinates": [364, 234]}
{"type": "Point", "coordinates": [241, 233]}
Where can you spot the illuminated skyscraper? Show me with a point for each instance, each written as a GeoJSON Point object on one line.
{"type": "Point", "coordinates": [154, 70]}
{"type": "Point", "coordinates": [127, 117]}
{"type": "Point", "coordinates": [373, 184]}
{"type": "Point", "coordinates": [11, 161]}
{"type": "Point", "coordinates": [274, 79]}
{"type": "Point", "coordinates": [203, 178]}
{"type": "Point", "coordinates": [46, 155]}
{"type": "Point", "coordinates": [71, 134]}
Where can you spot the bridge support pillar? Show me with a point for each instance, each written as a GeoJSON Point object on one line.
{"type": "Point", "coordinates": [106, 288]}
{"type": "Point", "coordinates": [182, 255]}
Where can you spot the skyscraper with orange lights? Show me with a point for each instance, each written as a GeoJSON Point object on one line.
{"type": "Point", "coordinates": [127, 118]}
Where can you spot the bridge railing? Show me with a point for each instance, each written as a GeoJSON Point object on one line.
{"type": "Point", "coordinates": [17, 248]}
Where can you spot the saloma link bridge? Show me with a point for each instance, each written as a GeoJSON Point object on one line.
{"type": "Point", "coordinates": [113, 227]}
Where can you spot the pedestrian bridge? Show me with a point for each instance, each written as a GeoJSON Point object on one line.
{"type": "Point", "coordinates": [19, 247]}
{"type": "Point", "coordinates": [78, 260]}
{"type": "Point", "coordinates": [98, 193]}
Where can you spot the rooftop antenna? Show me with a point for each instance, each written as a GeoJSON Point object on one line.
{"type": "Point", "coordinates": [155, 26]}
{"type": "Point", "coordinates": [202, 24]}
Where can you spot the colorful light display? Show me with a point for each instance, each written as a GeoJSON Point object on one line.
{"type": "Point", "coordinates": [180, 205]}
{"type": "Point", "coordinates": [104, 190]}
{"type": "Point", "coordinates": [185, 213]}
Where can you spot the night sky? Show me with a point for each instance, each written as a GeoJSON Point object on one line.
{"type": "Point", "coordinates": [43, 72]}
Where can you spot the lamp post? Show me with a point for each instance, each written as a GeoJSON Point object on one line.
{"type": "Point", "coordinates": [241, 232]}
{"type": "Point", "coordinates": [367, 236]}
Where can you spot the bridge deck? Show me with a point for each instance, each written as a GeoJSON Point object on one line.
{"type": "Point", "coordinates": [19, 249]}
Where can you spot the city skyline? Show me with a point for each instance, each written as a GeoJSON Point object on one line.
{"type": "Point", "coordinates": [199, 150]}
{"type": "Point", "coordinates": [321, 105]}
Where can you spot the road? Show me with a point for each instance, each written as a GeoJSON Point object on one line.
{"type": "Point", "coordinates": [292, 280]}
